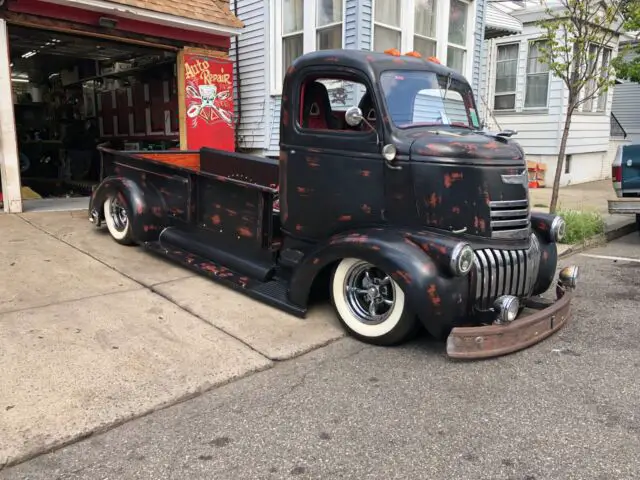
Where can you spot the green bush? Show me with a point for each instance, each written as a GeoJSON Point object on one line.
{"type": "Point", "coordinates": [581, 225]}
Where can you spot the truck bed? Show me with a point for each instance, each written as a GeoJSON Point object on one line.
{"type": "Point", "coordinates": [259, 171]}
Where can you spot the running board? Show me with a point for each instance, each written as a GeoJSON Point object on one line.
{"type": "Point", "coordinates": [272, 292]}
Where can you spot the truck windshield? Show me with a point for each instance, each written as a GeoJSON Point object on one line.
{"type": "Point", "coordinates": [417, 98]}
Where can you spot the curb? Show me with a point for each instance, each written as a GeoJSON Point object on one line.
{"type": "Point", "coordinates": [602, 238]}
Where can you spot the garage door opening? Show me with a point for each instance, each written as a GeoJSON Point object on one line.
{"type": "Point", "coordinates": [72, 93]}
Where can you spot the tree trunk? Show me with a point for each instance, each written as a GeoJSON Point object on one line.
{"type": "Point", "coordinates": [560, 162]}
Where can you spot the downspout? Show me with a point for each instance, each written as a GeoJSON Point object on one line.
{"type": "Point", "coordinates": [236, 66]}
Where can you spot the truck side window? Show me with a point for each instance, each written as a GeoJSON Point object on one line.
{"type": "Point", "coordinates": [324, 102]}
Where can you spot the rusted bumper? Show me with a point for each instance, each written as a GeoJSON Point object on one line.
{"type": "Point", "coordinates": [471, 343]}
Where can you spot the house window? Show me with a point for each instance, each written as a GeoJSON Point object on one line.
{"type": "Point", "coordinates": [424, 35]}
{"type": "Point", "coordinates": [303, 26]}
{"type": "Point", "coordinates": [590, 90]}
{"type": "Point", "coordinates": [386, 24]}
{"type": "Point", "coordinates": [329, 24]}
{"type": "Point", "coordinates": [506, 77]}
{"type": "Point", "coordinates": [606, 60]}
{"type": "Point", "coordinates": [537, 89]}
{"type": "Point", "coordinates": [292, 31]}
{"type": "Point", "coordinates": [458, 24]}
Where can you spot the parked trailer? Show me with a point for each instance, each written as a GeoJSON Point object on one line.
{"type": "Point", "coordinates": [399, 206]}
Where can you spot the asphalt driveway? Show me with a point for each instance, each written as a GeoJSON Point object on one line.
{"type": "Point", "coordinates": [568, 408]}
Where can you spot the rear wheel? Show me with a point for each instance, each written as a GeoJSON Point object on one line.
{"type": "Point", "coordinates": [370, 304]}
{"type": "Point", "coordinates": [117, 218]}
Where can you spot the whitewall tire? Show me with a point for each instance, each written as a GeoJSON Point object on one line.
{"type": "Point", "coordinates": [370, 304]}
{"type": "Point", "coordinates": [118, 220]}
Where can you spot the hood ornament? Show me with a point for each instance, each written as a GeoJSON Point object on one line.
{"type": "Point", "coordinates": [520, 179]}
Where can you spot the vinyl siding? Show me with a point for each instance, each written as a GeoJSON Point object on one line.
{"type": "Point", "coordinates": [251, 49]}
{"type": "Point", "coordinates": [626, 105]}
{"type": "Point", "coordinates": [478, 45]}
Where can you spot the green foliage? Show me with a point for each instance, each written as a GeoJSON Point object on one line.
{"type": "Point", "coordinates": [629, 69]}
{"type": "Point", "coordinates": [581, 225]}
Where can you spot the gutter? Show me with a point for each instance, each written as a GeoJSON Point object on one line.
{"type": "Point", "coordinates": [141, 14]}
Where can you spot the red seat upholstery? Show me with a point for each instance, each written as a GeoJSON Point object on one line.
{"type": "Point", "coordinates": [316, 109]}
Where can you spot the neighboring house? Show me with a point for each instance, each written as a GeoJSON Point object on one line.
{"type": "Point", "coordinates": [278, 31]}
{"type": "Point", "coordinates": [518, 92]}
{"type": "Point", "coordinates": [626, 103]}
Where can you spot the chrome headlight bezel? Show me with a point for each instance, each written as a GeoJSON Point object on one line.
{"type": "Point", "coordinates": [507, 308]}
{"type": "Point", "coordinates": [558, 229]}
{"type": "Point", "coordinates": [462, 259]}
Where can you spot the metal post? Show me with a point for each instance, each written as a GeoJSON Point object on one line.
{"type": "Point", "coordinates": [9, 164]}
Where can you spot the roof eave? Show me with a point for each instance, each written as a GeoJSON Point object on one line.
{"type": "Point", "coordinates": [150, 16]}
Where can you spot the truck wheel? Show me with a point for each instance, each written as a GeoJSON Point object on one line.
{"type": "Point", "coordinates": [370, 304]}
{"type": "Point", "coordinates": [117, 218]}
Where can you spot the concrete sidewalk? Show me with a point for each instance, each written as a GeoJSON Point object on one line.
{"type": "Point", "coordinates": [93, 334]}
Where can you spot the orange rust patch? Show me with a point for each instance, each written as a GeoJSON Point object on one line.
{"type": "Point", "coordinates": [442, 249]}
{"type": "Point", "coordinates": [217, 205]}
{"type": "Point", "coordinates": [366, 209]}
{"type": "Point", "coordinates": [432, 291]}
{"type": "Point", "coordinates": [455, 210]}
{"type": "Point", "coordinates": [216, 220]}
{"type": "Point", "coordinates": [542, 226]}
{"type": "Point", "coordinates": [365, 173]}
{"type": "Point", "coordinates": [375, 247]}
{"type": "Point", "coordinates": [231, 213]}
{"type": "Point", "coordinates": [545, 255]}
{"type": "Point", "coordinates": [157, 211]}
{"type": "Point", "coordinates": [316, 261]}
{"type": "Point", "coordinates": [433, 200]}
{"type": "Point", "coordinates": [344, 218]}
{"type": "Point", "coordinates": [403, 275]}
{"type": "Point", "coordinates": [312, 162]}
{"type": "Point", "coordinates": [298, 228]}
{"type": "Point", "coordinates": [245, 232]}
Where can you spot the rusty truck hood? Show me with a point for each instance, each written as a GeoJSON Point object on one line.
{"type": "Point", "coordinates": [468, 181]}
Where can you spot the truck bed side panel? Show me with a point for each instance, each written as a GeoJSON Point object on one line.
{"type": "Point", "coordinates": [248, 168]}
{"type": "Point", "coordinates": [172, 184]}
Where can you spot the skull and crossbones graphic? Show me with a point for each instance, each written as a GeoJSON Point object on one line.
{"type": "Point", "coordinates": [203, 104]}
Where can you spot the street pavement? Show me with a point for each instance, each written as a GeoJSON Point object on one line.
{"type": "Point", "coordinates": [567, 408]}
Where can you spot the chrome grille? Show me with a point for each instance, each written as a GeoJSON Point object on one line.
{"type": "Point", "coordinates": [505, 272]}
{"type": "Point", "coordinates": [510, 218]}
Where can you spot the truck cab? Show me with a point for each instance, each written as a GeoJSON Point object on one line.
{"type": "Point", "coordinates": [391, 198]}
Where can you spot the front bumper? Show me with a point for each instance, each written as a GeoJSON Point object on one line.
{"type": "Point", "coordinates": [470, 343]}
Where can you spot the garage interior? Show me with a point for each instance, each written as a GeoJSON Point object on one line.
{"type": "Point", "coordinates": [72, 93]}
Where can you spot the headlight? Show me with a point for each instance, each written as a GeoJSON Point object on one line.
{"type": "Point", "coordinates": [568, 277]}
{"type": "Point", "coordinates": [462, 259]}
{"type": "Point", "coordinates": [506, 307]}
{"type": "Point", "coordinates": [557, 229]}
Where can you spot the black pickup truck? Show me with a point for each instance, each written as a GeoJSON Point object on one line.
{"type": "Point", "coordinates": [398, 208]}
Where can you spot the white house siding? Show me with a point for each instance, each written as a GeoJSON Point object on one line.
{"type": "Point", "coordinates": [626, 108]}
{"type": "Point", "coordinates": [478, 45]}
{"type": "Point", "coordinates": [253, 69]}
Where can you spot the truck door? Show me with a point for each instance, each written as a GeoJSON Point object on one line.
{"type": "Point", "coordinates": [630, 170]}
{"type": "Point", "coordinates": [332, 175]}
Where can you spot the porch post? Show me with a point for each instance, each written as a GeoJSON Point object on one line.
{"type": "Point", "coordinates": [9, 164]}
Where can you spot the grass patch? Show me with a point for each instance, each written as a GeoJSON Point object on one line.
{"type": "Point", "coordinates": [581, 225]}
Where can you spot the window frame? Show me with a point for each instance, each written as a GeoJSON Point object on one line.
{"type": "Point", "coordinates": [407, 30]}
{"type": "Point", "coordinates": [526, 79]}
{"type": "Point", "coordinates": [604, 95]}
{"type": "Point", "coordinates": [495, 77]}
{"type": "Point", "coordinates": [309, 37]}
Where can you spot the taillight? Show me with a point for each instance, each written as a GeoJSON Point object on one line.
{"type": "Point", "coordinates": [616, 174]}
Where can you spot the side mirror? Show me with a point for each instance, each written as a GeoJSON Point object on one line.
{"type": "Point", "coordinates": [353, 116]}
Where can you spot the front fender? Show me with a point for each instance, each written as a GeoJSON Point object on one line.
{"type": "Point", "coordinates": [147, 211]}
{"type": "Point", "coordinates": [439, 300]}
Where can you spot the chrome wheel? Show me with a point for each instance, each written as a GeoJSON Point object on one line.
{"type": "Point", "coordinates": [118, 214]}
{"type": "Point", "coordinates": [370, 293]}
